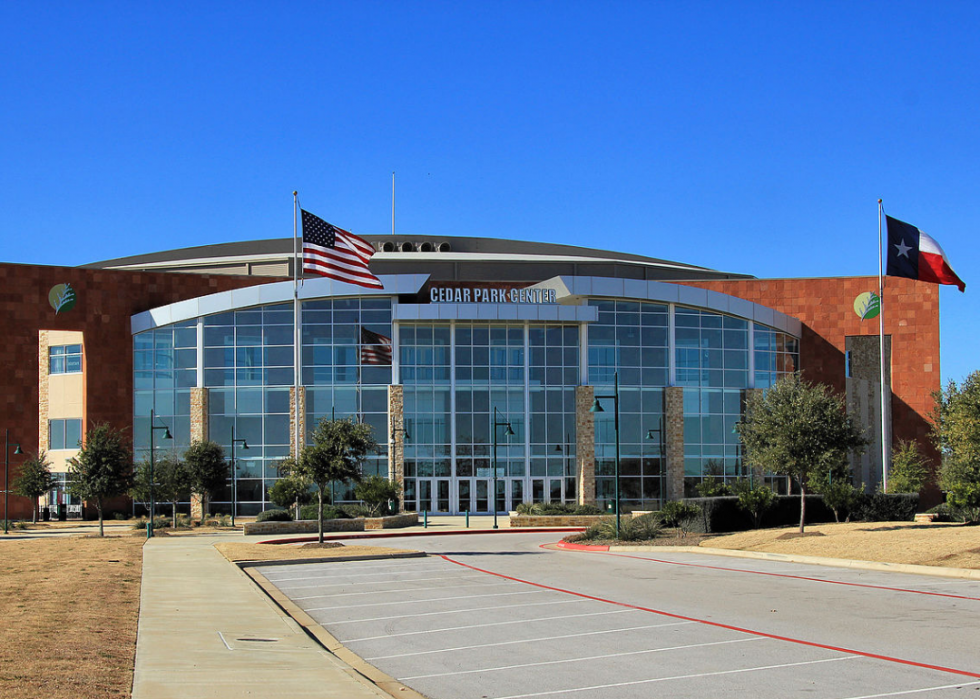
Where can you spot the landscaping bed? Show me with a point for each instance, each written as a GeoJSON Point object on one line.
{"type": "Point", "coordinates": [309, 526]}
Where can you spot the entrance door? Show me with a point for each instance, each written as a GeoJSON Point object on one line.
{"type": "Point", "coordinates": [434, 495]}
{"type": "Point", "coordinates": [473, 495]}
{"type": "Point", "coordinates": [547, 490]}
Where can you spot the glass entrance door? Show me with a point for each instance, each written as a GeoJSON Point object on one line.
{"type": "Point", "coordinates": [473, 495]}
{"type": "Point", "coordinates": [434, 495]}
{"type": "Point", "coordinates": [547, 490]}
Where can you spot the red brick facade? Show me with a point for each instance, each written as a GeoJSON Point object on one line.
{"type": "Point", "coordinates": [106, 300]}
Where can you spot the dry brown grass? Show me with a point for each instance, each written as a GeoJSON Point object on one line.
{"type": "Point", "coordinates": [282, 552]}
{"type": "Point", "coordinates": [70, 608]}
{"type": "Point", "coordinates": [937, 544]}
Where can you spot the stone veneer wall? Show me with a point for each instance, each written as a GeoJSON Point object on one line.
{"type": "Point", "coordinates": [585, 444]}
{"type": "Point", "coordinates": [199, 433]}
{"type": "Point", "coordinates": [674, 417]}
{"type": "Point", "coordinates": [297, 414]}
{"type": "Point", "coordinates": [396, 430]}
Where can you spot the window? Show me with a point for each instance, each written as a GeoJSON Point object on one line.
{"type": "Point", "coordinates": [64, 434]}
{"type": "Point", "coordinates": [65, 359]}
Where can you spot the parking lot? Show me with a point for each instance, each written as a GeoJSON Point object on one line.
{"type": "Point", "coordinates": [500, 617]}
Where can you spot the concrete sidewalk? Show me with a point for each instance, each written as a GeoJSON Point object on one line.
{"type": "Point", "coordinates": [206, 631]}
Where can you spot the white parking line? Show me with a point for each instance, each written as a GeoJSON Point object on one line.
{"type": "Point", "coordinates": [917, 691]}
{"type": "Point", "coordinates": [496, 607]}
{"type": "Point", "coordinates": [530, 640]}
{"type": "Point", "coordinates": [495, 623]}
{"type": "Point", "coordinates": [579, 660]}
{"type": "Point", "coordinates": [678, 677]}
{"type": "Point", "coordinates": [431, 599]}
{"type": "Point", "coordinates": [407, 571]}
{"type": "Point", "coordinates": [375, 582]}
{"type": "Point", "coordinates": [404, 589]}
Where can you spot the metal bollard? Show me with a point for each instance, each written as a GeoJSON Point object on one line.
{"type": "Point", "coordinates": [467, 519]}
{"type": "Point", "coordinates": [425, 519]}
{"type": "Point", "coordinates": [149, 529]}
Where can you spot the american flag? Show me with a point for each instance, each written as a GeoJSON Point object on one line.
{"type": "Point", "coordinates": [375, 348]}
{"type": "Point", "coordinates": [333, 252]}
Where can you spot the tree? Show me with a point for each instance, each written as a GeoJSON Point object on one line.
{"type": "Point", "coordinates": [377, 492]}
{"type": "Point", "coordinates": [339, 447]}
{"type": "Point", "coordinates": [956, 431]}
{"type": "Point", "coordinates": [291, 491]}
{"type": "Point", "coordinates": [35, 479]}
{"type": "Point", "coordinates": [799, 430]}
{"type": "Point", "coordinates": [754, 500]}
{"type": "Point", "coordinates": [102, 469]}
{"type": "Point", "coordinates": [208, 471]}
{"type": "Point", "coordinates": [172, 481]}
{"type": "Point", "coordinates": [909, 470]}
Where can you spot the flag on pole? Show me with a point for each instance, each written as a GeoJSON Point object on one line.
{"type": "Point", "coordinates": [375, 348]}
{"type": "Point", "coordinates": [916, 255]}
{"type": "Point", "coordinates": [335, 253]}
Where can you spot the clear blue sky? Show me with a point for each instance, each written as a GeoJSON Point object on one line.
{"type": "Point", "coordinates": [746, 136]}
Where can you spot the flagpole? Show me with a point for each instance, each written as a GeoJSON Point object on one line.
{"type": "Point", "coordinates": [885, 440]}
{"type": "Point", "coordinates": [297, 368]}
{"type": "Point", "coordinates": [392, 203]}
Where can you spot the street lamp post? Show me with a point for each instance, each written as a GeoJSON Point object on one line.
{"type": "Point", "coordinates": [6, 476]}
{"type": "Point", "coordinates": [509, 433]}
{"type": "Point", "coordinates": [234, 471]}
{"type": "Point", "coordinates": [153, 504]}
{"type": "Point", "coordinates": [597, 408]}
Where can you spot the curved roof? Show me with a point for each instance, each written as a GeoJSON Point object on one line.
{"type": "Point", "coordinates": [446, 258]}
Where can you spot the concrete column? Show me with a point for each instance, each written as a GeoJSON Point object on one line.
{"type": "Point", "coordinates": [199, 433]}
{"type": "Point", "coordinates": [297, 414]}
{"type": "Point", "coordinates": [674, 420]}
{"type": "Point", "coordinates": [396, 434]}
{"type": "Point", "coordinates": [585, 445]}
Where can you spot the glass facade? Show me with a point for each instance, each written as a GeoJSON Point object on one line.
{"type": "Point", "coordinates": [468, 386]}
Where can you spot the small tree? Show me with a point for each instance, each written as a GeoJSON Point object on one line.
{"type": "Point", "coordinates": [35, 479]}
{"type": "Point", "coordinates": [103, 468]}
{"type": "Point", "coordinates": [339, 447]}
{"type": "Point", "coordinates": [840, 496]}
{"type": "Point", "coordinates": [956, 431]}
{"type": "Point", "coordinates": [754, 500]}
{"type": "Point", "coordinates": [291, 491]}
{"type": "Point", "coordinates": [173, 481]}
{"type": "Point", "coordinates": [208, 471]}
{"type": "Point", "coordinates": [799, 430]}
{"type": "Point", "coordinates": [377, 492]}
{"type": "Point", "coordinates": [910, 470]}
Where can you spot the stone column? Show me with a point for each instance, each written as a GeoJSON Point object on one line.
{"type": "Point", "coordinates": [396, 434]}
{"type": "Point", "coordinates": [674, 419]}
{"type": "Point", "coordinates": [199, 433]}
{"type": "Point", "coordinates": [758, 476]}
{"type": "Point", "coordinates": [297, 414]}
{"type": "Point", "coordinates": [585, 444]}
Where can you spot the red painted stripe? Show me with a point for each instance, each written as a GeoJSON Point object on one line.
{"type": "Point", "coordinates": [739, 629]}
{"type": "Point", "coordinates": [579, 547]}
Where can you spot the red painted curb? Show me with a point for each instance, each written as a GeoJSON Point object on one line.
{"type": "Point", "coordinates": [580, 547]}
{"type": "Point", "coordinates": [401, 535]}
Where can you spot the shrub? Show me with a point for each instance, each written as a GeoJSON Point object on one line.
{"type": "Point", "coordinates": [159, 522]}
{"type": "Point", "coordinates": [379, 495]}
{"type": "Point", "coordinates": [218, 521]}
{"type": "Point", "coordinates": [525, 508]}
{"type": "Point", "coordinates": [274, 515]}
{"type": "Point", "coordinates": [676, 513]}
{"type": "Point", "coordinates": [355, 511]}
{"type": "Point", "coordinates": [586, 510]}
{"type": "Point", "coordinates": [887, 507]}
{"type": "Point", "coordinates": [909, 471]}
{"type": "Point", "coordinates": [755, 501]}
{"type": "Point", "coordinates": [712, 488]}
{"type": "Point", "coordinates": [946, 513]}
{"type": "Point", "coordinates": [329, 512]}
{"type": "Point", "coordinates": [642, 528]}
{"type": "Point", "coordinates": [842, 498]}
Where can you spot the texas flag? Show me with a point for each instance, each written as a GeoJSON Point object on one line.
{"type": "Point", "coordinates": [913, 254]}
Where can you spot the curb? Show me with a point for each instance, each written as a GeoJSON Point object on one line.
{"type": "Point", "coordinates": [934, 571]}
{"type": "Point", "coordinates": [359, 669]}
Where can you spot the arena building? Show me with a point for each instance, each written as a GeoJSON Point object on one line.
{"type": "Point", "coordinates": [477, 364]}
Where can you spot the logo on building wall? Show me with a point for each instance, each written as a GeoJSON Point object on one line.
{"type": "Point", "coordinates": [62, 298]}
{"type": "Point", "coordinates": [867, 305]}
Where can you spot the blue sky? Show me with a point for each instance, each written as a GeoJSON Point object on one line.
{"type": "Point", "coordinates": [746, 136]}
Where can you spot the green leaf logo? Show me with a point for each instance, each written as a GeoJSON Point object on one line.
{"type": "Point", "coordinates": [867, 305]}
{"type": "Point", "coordinates": [62, 298]}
